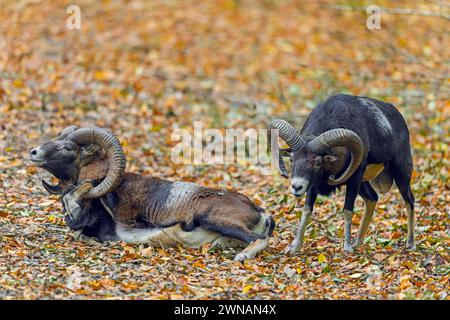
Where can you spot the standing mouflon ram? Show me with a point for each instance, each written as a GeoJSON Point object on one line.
{"type": "Point", "coordinates": [103, 201]}
{"type": "Point", "coordinates": [362, 141]}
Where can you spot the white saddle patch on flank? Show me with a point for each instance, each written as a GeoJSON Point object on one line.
{"type": "Point", "coordinates": [180, 192]}
{"type": "Point", "coordinates": [381, 120]}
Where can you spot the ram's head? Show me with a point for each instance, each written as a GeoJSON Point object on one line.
{"type": "Point", "coordinates": [64, 157]}
{"type": "Point", "coordinates": [311, 155]}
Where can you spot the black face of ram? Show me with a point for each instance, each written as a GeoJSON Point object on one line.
{"type": "Point", "coordinates": [305, 166]}
{"type": "Point", "coordinates": [58, 157]}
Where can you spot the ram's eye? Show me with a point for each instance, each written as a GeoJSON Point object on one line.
{"type": "Point", "coordinates": [317, 164]}
{"type": "Point", "coordinates": [68, 149]}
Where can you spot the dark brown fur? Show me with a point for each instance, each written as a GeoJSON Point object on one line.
{"type": "Point", "coordinates": [146, 202]}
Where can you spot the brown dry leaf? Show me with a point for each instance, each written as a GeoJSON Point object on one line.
{"type": "Point", "coordinates": [46, 203]}
{"type": "Point", "coordinates": [379, 257]}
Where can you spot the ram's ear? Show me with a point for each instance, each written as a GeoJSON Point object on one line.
{"type": "Point", "coordinates": [330, 158]}
{"type": "Point", "coordinates": [286, 152]}
{"type": "Point", "coordinates": [89, 152]}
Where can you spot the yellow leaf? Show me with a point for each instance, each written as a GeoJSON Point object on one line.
{"type": "Point", "coordinates": [100, 75]}
{"type": "Point", "coordinates": [355, 275]}
{"type": "Point", "coordinates": [198, 264]}
{"type": "Point", "coordinates": [405, 282]}
{"type": "Point", "coordinates": [205, 248]}
{"type": "Point", "coordinates": [248, 267]}
{"type": "Point", "coordinates": [427, 51]}
{"type": "Point", "coordinates": [247, 288]}
{"type": "Point", "coordinates": [129, 250]}
{"type": "Point", "coordinates": [18, 84]}
{"type": "Point", "coordinates": [107, 282]}
{"type": "Point", "coordinates": [129, 286]}
{"type": "Point", "coordinates": [321, 258]}
{"type": "Point", "coordinates": [95, 285]}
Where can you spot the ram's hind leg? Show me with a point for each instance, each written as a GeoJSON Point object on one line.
{"type": "Point", "coordinates": [227, 226]}
{"type": "Point", "coordinates": [353, 186]}
{"type": "Point", "coordinates": [402, 177]}
{"type": "Point", "coordinates": [166, 237]}
{"type": "Point", "coordinates": [265, 226]}
{"type": "Point", "coordinates": [370, 197]}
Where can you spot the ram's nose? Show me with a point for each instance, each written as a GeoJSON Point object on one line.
{"type": "Point", "coordinates": [36, 155]}
{"type": "Point", "coordinates": [299, 186]}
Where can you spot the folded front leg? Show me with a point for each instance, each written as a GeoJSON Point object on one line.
{"type": "Point", "coordinates": [252, 249]}
{"type": "Point", "coordinates": [73, 200]}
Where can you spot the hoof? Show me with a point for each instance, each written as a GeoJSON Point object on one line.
{"type": "Point", "coordinates": [241, 257]}
{"type": "Point", "coordinates": [410, 247]}
{"type": "Point", "coordinates": [356, 244]}
{"type": "Point", "coordinates": [348, 249]}
{"type": "Point", "coordinates": [293, 248]}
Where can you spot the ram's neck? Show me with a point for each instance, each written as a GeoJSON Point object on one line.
{"type": "Point", "coordinates": [95, 170]}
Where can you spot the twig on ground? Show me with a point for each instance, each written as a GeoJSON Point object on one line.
{"type": "Point", "coordinates": [404, 11]}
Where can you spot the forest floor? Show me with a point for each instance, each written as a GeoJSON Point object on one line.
{"type": "Point", "coordinates": [145, 68]}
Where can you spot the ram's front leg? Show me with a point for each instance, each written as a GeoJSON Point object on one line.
{"type": "Point", "coordinates": [252, 249]}
{"type": "Point", "coordinates": [350, 197]}
{"type": "Point", "coordinates": [72, 200]}
{"type": "Point", "coordinates": [297, 244]}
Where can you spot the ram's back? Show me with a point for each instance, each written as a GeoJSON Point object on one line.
{"type": "Point", "coordinates": [380, 125]}
{"type": "Point", "coordinates": [153, 202]}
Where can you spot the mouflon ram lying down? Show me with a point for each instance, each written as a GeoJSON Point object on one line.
{"type": "Point", "coordinates": [104, 202]}
{"type": "Point", "coordinates": [358, 142]}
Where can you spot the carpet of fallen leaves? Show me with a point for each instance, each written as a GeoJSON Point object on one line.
{"type": "Point", "coordinates": [143, 68]}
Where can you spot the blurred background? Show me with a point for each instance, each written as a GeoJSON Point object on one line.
{"type": "Point", "coordinates": [145, 68]}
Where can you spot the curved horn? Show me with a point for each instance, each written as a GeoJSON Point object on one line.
{"type": "Point", "coordinates": [111, 145]}
{"type": "Point", "coordinates": [66, 131]}
{"type": "Point", "coordinates": [340, 138]}
{"type": "Point", "coordinates": [51, 188]}
{"type": "Point", "coordinates": [289, 134]}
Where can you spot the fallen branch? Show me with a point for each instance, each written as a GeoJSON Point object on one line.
{"type": "Point", "coordinates": [412, 12]}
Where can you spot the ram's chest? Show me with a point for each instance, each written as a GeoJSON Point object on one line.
{"type": "Point", "coordinates": [172, 237]}
{"type": "Point", "coordinates": [372, 171]}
